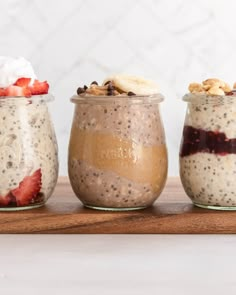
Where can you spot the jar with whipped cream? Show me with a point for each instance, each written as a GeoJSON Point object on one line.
{"type": "Point", "coordinates": [208, 148]}
{"type": "Point", "coordinates": [117, 151]}
{"type": "Point", "coordinates": [28, 146]}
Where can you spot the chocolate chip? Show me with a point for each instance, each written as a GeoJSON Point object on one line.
{"type": "Point", "coordinates": [108, 82]}
{"type": "Point", "coordinates": [109, 92]}
{"type": "Point", "coordinates": [130, 93]}
{"type": "Point", "coordinates": [229, 93]}
{"type": "Point", "coordinates": [85, 87]}
{"type": "Point", "coordinates": [94, 83]}
{"type": "Point", "coordinates": [80, 90]}
{"type": "Point", "coordinates": [110, 87]}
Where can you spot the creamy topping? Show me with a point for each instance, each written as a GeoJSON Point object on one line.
{"type": "Point", "coordinates": [11, 69]}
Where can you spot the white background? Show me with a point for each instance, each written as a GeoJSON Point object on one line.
{"type": "Point", "coordinates": [73, 42]}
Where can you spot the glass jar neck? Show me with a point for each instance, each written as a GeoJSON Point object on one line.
{"type": "Point", "coordinates": [20, 100]}
{"type": "Point", "coordinates": [136, 99]}
{"type": "Point", "coordinates": [201, 99]}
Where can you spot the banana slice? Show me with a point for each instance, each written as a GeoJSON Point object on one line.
{"type": "Point", "coordinates": [137, 85]}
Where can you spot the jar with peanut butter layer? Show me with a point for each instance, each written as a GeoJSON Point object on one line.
{"type": "Point", "coordinates": [117, 151]}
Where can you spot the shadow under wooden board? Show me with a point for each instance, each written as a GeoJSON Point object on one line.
{"type": "Point", "coordinates": [173, 213]}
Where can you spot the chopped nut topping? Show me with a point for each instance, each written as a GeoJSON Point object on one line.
{"type": "Point", "coordinates": [211, 86]}
{"type": "Point", "coordinates": [215, 90]}
{"type": "Point", "coordinates": [195, 87]}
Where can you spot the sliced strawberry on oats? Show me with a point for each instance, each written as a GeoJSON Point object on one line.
{"type": "Point", "coordinates": [17, 91]}
{"type": "Point", "coordinates": [6, 200]}
{"type": "Point", "coordinates": [3, 92]}
{"type": "Point", "coordinates": [39, 87]}
{"type": "Point", "coordinates": [22, 87]}
{"type": "Point", "coordinates": [23, 82]}
{"type": "Point", "coordinates": [28, 188]}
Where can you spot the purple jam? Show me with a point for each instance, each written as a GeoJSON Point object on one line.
{"type": "Point", "coordinates": [198, 140]}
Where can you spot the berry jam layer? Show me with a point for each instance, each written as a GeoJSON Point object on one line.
{"type": "Point", "coordinates": [198, 140]}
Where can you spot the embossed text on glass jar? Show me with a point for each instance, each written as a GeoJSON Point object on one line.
{"type": "Point", "coordinates": [117, 151]}
{"type": "Point", "coordinates": [28, 152]}
{"type": "Point", "coordinates": [208, 151]}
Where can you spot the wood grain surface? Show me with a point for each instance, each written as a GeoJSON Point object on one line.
{"type": "Point", "coordinates": [173, 213]}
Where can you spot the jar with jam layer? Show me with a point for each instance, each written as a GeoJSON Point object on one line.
{"type": "Point", "coordinates": [208, 150]}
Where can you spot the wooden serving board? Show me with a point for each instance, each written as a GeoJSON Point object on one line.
{"type": "Point", "coordinates": [173, 213]}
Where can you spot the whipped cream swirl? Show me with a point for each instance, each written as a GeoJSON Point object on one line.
{"type": "Point", "coordinates": [11, 69]}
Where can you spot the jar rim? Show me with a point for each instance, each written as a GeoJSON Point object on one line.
{"type": "Point", "coordinates": [198, 98]}
{"type": "Point", "coordinates": [135, 99]}
{"type": "Point", "coordinates": [22, 99]}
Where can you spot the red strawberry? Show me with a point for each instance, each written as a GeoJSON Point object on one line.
{"type": "Point", "coordinates": [23, 82]}
{"type": "Point", "coordinates": [28, 188]}
{"type": "Point", "coordinates": [22, 87]}
{"type": "Point", "coordinates": [6, 200]}
{"type": "Point", "coordinates": [3, 92]}
{"type": "Point", "coordinates": [39, 87]}
{"type": "Point", "coordinates": [17, 91]}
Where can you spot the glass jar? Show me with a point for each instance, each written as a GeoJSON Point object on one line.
{"type": "Point", "coordinates": [28, 153]}
{"type": "Point", "coordinates": [208, 151]}
{"type": "Point", "coordinates": [117, 151]}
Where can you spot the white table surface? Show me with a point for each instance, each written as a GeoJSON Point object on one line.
{"type": "Point", "coordinates": [117, 264]}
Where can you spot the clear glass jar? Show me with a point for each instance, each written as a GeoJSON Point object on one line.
{"type": "Point", "coordinates": [28, 152]}
{"type": "Point", "coordinates": [208, 151]}
{"type": "Point", "coordinates": [117, 151]}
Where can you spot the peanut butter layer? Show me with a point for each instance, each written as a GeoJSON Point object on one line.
{"type": "Point", "coordinates": [142, 164]}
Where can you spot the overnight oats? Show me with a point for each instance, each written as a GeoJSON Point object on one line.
{"type": "Point", "coordinates": [208, 148]}
{"type": "Point", "coordinates": [28, 146]}
{"type": "Point", "coordinates": [117, 152]}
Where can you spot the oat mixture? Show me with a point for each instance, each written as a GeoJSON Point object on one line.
{"type": "Point", "coordinates": [208, 148]}
{"type": "Point", "coordinates": [117, 153]}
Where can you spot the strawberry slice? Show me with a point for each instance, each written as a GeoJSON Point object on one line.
{"type": "Point", "coordinates": [39, 87]}
{"type": "Point", "coordinates": [17, 91]}
{"type": "Point", "coordinates": [22, 87]}
{"type": "Point", "coordinates": [28, 188]}
{"type": "Point", "coordinates": [3, 92]}
{"type": "Point", "coordinates": [6, 200]}
{"type": "Point", "coordinates": [23, 82]}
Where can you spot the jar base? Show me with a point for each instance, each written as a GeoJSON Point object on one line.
{"type": "Point", "coordinates": [114, 209]}
{"type": "Point", "coordinates": [214, 207]}
{"type": "Point", "coordinates": [22, 208]}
